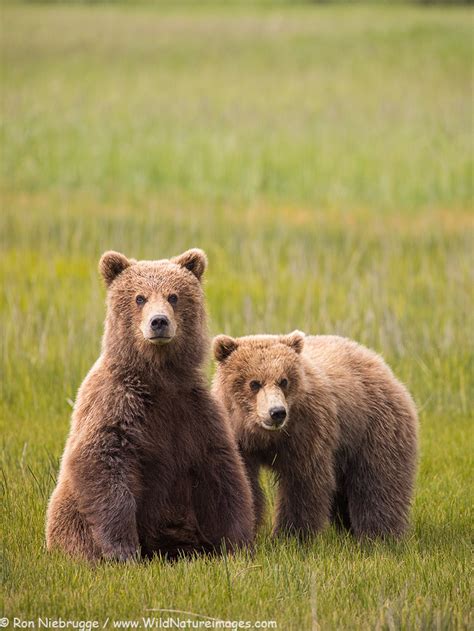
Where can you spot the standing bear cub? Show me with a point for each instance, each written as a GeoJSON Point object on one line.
{"type": "Point", "coordinates": [331, 420]}
{"type": "Point", "coordinates": [150, 464]}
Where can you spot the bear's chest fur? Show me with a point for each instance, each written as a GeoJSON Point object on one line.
{"type": "Point", "coordinates": [174, 446]}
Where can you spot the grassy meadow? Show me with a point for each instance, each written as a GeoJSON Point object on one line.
{"type": "Point", "coordinates": [322, 156]}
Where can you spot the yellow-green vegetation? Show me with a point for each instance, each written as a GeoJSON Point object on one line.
{"type": "Point", "coordinates": [321, 157]}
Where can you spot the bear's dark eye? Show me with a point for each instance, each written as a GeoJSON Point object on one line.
{"type": "Point", "coordinates": [255, 386]}
{"type": "Point", "coordinates": [140, 300]}
{"type": "Point", "coordinates": [283, 383]}
{"type": "Point", "coordinates": [172, 299]}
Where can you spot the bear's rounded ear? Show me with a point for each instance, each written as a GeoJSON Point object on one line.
{"type": "Point", "coordinates": [294, 340]}
{"type": "Point", "coordinates": [194, 260]}
{"type": "Point", "coordinates": [112, 264]}
{"type": "Point", "coordinates": [223, 346]}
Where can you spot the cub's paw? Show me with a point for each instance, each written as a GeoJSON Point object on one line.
{"type": "Point", "coordinates": [303, 533]}
{"type": "Point", "coordinates": [121, 552]}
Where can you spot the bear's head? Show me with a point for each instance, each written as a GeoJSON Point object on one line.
{"type": "Point", "coordinates": [155, 309]}
{"type": "Point", "coordinates": [259, 377]}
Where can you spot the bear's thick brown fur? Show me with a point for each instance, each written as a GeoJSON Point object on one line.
{"type": "Point", "coordinates": [150, 464]}
{"type": "Point", "coordinates": [331, 420]}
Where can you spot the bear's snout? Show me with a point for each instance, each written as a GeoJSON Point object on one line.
{"type": "Point", "coordinates": [159, 323]}
{"type": "Point", "coordinates": [159, 329]}
{"type": "Point", "coordinates": [277, 415]}
{"type": "Point", "coordinates": [272, 408]}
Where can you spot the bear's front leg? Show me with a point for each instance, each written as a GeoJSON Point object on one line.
{"type": "Point", "coordinates": [304, 499]}
{"type": "Point", "coordinates": [252, 468]}
{"type": "Point", "coordinates": [104, 476]}
{"type": "Point", "coordinates": [222, 499]}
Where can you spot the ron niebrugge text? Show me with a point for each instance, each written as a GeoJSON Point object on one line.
{"type": "Point", "coordinates": [140, 623]}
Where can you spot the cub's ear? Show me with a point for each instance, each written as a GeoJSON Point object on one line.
{"type": "Point", "coordinates": [294, 340]}
{"type": "Point", "coordinates": [195, 260]}
{"type": "Point", "coordinates": [223, 346]}
{"type": "Point", "coordinates": [112, 264]}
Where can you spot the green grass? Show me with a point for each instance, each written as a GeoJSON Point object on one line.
{"type": "Point", "coordinates": [322, 158]}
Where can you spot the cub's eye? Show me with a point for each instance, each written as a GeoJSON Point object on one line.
{"type": "Point", "coordinates": [283, 383]}
{"type": "Point", "coordinates": [172, 299]}
{"type": "Point", "coordinates": [140, 300]}
{"type": "Point", "coordinates": [255, 386]}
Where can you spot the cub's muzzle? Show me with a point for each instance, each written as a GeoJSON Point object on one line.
{"type": "Point", "coordinates": [159, 329]}
{"type": "Point", "coordinates": [272, 408]}
{"type": "Point", "coordinates": [278, 415]}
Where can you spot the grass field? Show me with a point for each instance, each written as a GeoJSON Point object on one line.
{"type": "Point", "coordinates": [322, 158]}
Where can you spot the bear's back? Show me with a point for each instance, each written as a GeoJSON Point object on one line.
{"type": "Point", "coordinates": [359, 380]}
{"type": "Point", "coordinates": [341, 357]}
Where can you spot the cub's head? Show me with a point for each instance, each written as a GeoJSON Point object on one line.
{"type": "Point", "coordinates": [156, 307]}
{"type": "Point", "coordinates": [258, 378]}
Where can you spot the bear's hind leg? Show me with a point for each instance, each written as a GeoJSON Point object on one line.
{"type": "Point", "coordinates": [340, 516]}
{"type": "Point", "coordinates": [379, 493]}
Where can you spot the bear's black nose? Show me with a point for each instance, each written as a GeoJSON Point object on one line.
{"type": "Point", "coordinates": [278, 415]}
{"type": "Point", "coordinates": [159, 322]}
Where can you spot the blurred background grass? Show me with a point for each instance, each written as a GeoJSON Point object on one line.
{"type": "Point", "coordinates": [240, 103]}
{"type": "Point", "coordinates": [322, 156]}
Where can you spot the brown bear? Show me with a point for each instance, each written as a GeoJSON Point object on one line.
{"type": "Point", "coordinates": [151, 464]}
{"type": "Point", "coordinates": [331, 420]}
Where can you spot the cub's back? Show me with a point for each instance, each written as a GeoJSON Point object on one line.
{"type": "Point", "coordinates": [360, 381]}
{"type": "Point", "coordinates": [343, 359]}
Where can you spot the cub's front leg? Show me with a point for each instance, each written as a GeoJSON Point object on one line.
{"type": "Point", "coordinates": [222, 497]}
{"type": "Point", "coordinates": [304, 499]}
{"type": "Point", "coordinates": [105, 478]}
{"type": "Point", "coordinates": [252, 468]}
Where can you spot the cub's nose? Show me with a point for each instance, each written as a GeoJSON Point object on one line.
{"type": "Point", "coordinates": [278, 415]}
{"type": "Point", "coordinates": [159, 322]}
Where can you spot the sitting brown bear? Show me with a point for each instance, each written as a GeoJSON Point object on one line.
{"type": "Point", "coordinates": [150, 464]}
{"type": "Point", "coordinates": [331, 420]}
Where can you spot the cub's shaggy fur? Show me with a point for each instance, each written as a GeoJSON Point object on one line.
{"type": "Point", "coordinates": [150, 464]}
{"type": "Point", "coordinates": [331, 420]}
